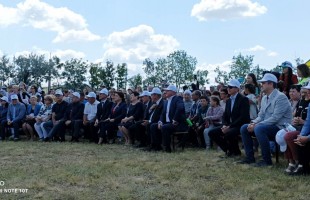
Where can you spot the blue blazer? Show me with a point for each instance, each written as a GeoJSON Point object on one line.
{"type": "Point", "coordinates": [176, 111]}
{"type": "Point", "coordinates": [36, 109]}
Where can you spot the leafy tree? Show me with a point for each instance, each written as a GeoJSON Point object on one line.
{"type": "Point", "coordinates": [94, 71]}
{"type": "Point", "coordinates": [6, 69]}
{"type": "Point", "coordinates": [222, 76]}
{"type": "Point", "coordinates": [54, 66]}
{"type": "Point", "coordinates": [181, 67]}
{"type": "Point", "coordinates": [202, 77]}
{"type": "Point", "coordinates": [74, 73]}
{"type": "Point", "coordinates": [108, 74]}
{"type": "Point", "coordinates": [241, 66]}
{"type": "Point", "coordinates": [121, 75]}
{"type": "Point", "coordinates": [135, 81]}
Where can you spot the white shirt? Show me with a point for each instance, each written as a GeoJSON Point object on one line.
{"type": "Point", "coordinates": [91, 110]}
{"type": "Point", "coordinates": [168, 108]}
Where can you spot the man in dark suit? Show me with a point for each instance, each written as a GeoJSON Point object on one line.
{"type": "Point", "coordinates": [237, 113]}
{"type": "Point", "coordinates": [172, 117]}
{"type": "Point", "coordinates": [103, 112]}
{"type": "Point", "coordinates": [153, 117]}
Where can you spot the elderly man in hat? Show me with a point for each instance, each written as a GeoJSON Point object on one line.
{"type": "Point", "coordinates": [172, 119]}
{"type": "Point", "coordinates": [103, 113]}
{"type": "Point", "coordinates": [16, 113]}
{"type": "Point", "coordinates": [275, 111]}
{"type": "Point", "coordinates": [74, 116]}
{"type": "Point", "coordinates": [90, 112]}
{"type": "Point", "coordinates": [237, 113]}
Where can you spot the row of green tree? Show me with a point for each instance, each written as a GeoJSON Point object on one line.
{"type": "Point", "coordinates": [178, 68]}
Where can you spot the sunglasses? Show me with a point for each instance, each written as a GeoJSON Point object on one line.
{"type": "Point", "coordinates": [231, 87]}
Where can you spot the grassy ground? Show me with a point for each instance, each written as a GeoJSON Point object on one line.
{"type": "Point", "coordinates": [88, 171]}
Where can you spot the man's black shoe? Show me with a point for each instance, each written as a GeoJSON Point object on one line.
{"type": "Point", "coordinates": [47, 139]}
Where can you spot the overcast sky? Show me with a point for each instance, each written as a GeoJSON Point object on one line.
{"type": "Point", "coordinates": [129, 31]}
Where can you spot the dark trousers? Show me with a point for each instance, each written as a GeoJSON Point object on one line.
{"type": "Point", "coordinates": [90, 131]}
{"type": "Point", "coordinates": [156, 136]}
{"type": "Point", "coordinates": [108, 130]}
{"type": "Point", "coordinates": [304, 157]}
{"type": "Point", "coordinates": [15, 125]}
{"type": "Point", "coordinates": [228, 142]}
{"type": "Point", "coordinates": [138, 132]}
{"type": "Point", "coordinates": [58, 130]}
{"type": "Point", "coordinates": [75, 127]}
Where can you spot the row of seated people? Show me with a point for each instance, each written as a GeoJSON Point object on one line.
{"type": "Point", "coordinates": [105, 117]}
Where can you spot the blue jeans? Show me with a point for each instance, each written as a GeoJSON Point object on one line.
{"type": "Point", "coordinates": [263, 133]}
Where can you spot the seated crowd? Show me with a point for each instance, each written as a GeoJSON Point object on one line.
{"type": "Point", "coordinates": [259, 113]}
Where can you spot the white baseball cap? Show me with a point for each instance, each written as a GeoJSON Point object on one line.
{"type": "Point", "coordinates": [269, 77]}
{"type": "Point", "coordinates": [59, 92]}
{"type": "Point", "coordinates": [156, 90]}
{"type": "Point", "coordinates": [14, 96]}
{"type": "Point", "coordinates": [91, 95]}
{"type": "Point", "coordinates": [5, 99]}
{"type": "Point", "coordinates": [76, 94]}
{"type": "Point", "coordinates": [104, 91]}
{"type": "Point", "coordinates": [145, 93]}
{"type": "Point", "coordinates": [234, 83]}
{"type": "Point", "coordinates": [171, 88]}
{"type": "Point", "coordinates": [187, 92]}
{"type": "Point", "coordinates": [307, 86]}
{"type": "Point", "coordinates": [281, 141]}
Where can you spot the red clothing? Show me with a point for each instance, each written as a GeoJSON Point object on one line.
{"type": "Point", "coordinates": [286, 85]}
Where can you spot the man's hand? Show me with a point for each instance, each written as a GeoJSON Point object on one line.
{"type": "Point", "coordinates": [160, 124]}
{"type": "Point", "coordinates": [251, 127]}
{"type": "Point", "coordinates": [68, 122]}
{"type": "Point", "coordinates": [145, 123]}
{"type": "Point", "coordinates": [174, 123]}
{"type": "Point", "coordinates": [225, 129]}
{"type": "Point", "coordinates": [301, 140]}
{"type": "Point", "coordinates": [85, 122]}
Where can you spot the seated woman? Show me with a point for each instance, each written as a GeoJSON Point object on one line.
{"type": "Point", "coordinates": [44, 115]}
{"type": "Point", "coordinates": [32, 111]}
{"type": "Point", "coordinates": [134, 114]}
{"type": "Point", "coordinates": [287, 140]}
{"type": "Point", "coordinates": [118, 112]}
{"type": "Point", "coordinates": [213, 118]}
{"type": "Point", "coordinates": [187, 98]}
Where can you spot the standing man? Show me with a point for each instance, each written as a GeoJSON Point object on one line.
{"type": "Point", "coordinates": [237, 113]}
{"type": "Point", "coordinates": [274, 113]}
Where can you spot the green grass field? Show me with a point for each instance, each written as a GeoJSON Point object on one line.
{"type": "Point", "coordinates": [88, 171]}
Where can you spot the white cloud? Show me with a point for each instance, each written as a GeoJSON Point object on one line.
{"type": "Point", "coordinates": [226, 9]}
{"type": "Point", "coordinates": [133, 45]}
{"type": "Point", "coordinates": [272, 54]}
{"type": "Point", "coordinates": [256, 48]}
{"type": "Point", "coordinates": [62, 54]}
{"type": "Point", "coordinates": [224, 66]}
{"type": "Point", "coordinates": [67, 24]}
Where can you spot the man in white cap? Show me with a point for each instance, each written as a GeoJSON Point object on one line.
{"type": "Point", "coordinates": [90, 112]}
{"type": "Point", "coordinates": [103, 113]}
{"type": "Point", "coordinates": [237, 113]}
{"type": "Point", "coordinates": [74, 116]}
{"type": "Point", "coordinates": [16, 113]}
{"type": "Point", "coordinates": [55, 128]}
{"type": "Point", "coordinates": [172, 119]}
{"type": "Point", "coordinates": [275, 111]}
